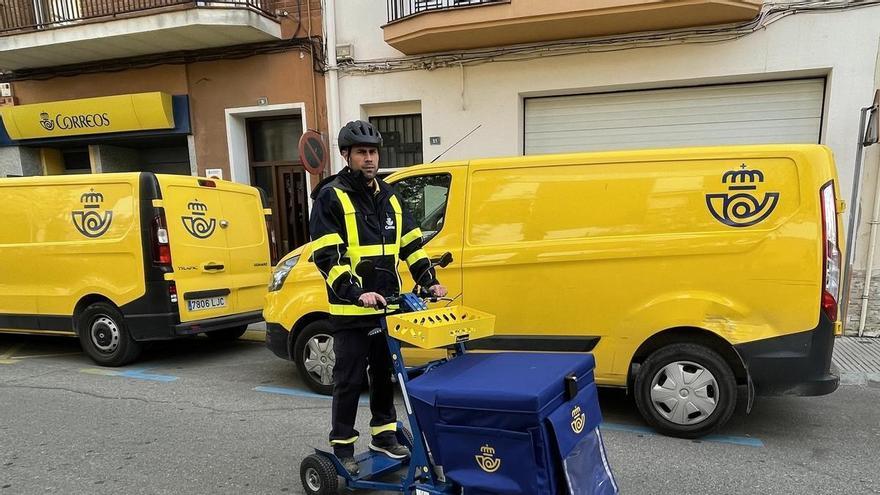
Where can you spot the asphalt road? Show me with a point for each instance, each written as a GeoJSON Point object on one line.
{"type": "Point", "coordinates": [196, 416]}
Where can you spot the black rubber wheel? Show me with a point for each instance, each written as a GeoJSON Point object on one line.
{"type": "Point", "coordinates": [318, 475]}
{"type": "Point", "coordinates": [314, 357]}
{"type": "Point", "coordinates": [104, 335]}
{"type": "Point", "coordinates": [685, 390]}
{"type": "Point", "coordinates": [227, 334]}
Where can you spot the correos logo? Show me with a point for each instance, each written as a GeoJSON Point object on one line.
{"type": "Point", "coordinates": [84, 121]}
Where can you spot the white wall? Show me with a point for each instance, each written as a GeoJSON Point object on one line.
{"type": "Point", "coordinates": [842, 45]}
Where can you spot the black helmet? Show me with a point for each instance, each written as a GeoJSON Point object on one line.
{"type": "Point", "coordinates": [358, 132]}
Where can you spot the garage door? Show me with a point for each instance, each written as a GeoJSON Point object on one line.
{"type": "Point", "coordinates": [753, 113]}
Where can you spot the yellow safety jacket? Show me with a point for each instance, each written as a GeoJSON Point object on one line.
{"type": "Point", "coordinates": [351, 222]}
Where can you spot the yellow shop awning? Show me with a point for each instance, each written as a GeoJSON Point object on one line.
{"type": "Point", "coordinates": [107, 114]}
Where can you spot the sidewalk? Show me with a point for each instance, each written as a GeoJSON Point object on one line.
{"type": "Point", "coordinates": [858, 360]}
{"type": "Point", "coordinates": [255, 332]}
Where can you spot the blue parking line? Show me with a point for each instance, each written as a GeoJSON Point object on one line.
{"type": "Point", "coordinates": [137, 374]}
{"type": "Point", "coordinates": [140, 375]}
{"type": "Point", "coordinates": [299, 393]}
{"type": "Point", "coordinates": [729, 439]}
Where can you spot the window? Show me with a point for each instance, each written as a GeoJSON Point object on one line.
{"type": "Point", "coordinates": [425, 197]}
{"type": "Point", "coordinates": [402, 140]}
{"type": "Point", "coordinates": [274, 140]}
{"type": "Point", "coordinates": [76, 161]}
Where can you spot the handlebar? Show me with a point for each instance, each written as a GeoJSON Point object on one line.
{"type": "Point", "coordinates": [394, 300]}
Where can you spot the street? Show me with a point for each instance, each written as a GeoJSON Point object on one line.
{"type": "Point", "coordinates": [197, 416]}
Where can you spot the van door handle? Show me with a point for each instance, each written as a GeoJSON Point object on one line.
{"type": "Point", "coordinates": [213, 267]}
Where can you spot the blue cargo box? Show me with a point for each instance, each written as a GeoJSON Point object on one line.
{"type": "Point", "coordinates": [508, 423]}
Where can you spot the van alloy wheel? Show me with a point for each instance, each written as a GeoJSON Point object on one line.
{"type": "Point", "coordinates": [319, 358]}
{"type": "Point", "coordinates": [104, 334]}
{"type": "Point", "coordinates": [684, 392]}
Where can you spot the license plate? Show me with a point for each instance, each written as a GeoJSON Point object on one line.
{"type": "Point", "coordinates": [206, 303]}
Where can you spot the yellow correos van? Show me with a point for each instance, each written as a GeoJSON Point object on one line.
{"type": "Point", "coordinates": [693, 275]}
{"type": "Point", "coordinates": [119, 259]}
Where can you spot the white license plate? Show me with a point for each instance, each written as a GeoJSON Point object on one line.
{"type": "Point", "coordinates": [206, 303]}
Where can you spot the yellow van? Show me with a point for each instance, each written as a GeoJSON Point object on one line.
{"type": "Point", "coordinates": [120, 259]}
{"type": "Point", "coordinates": [693, 275]}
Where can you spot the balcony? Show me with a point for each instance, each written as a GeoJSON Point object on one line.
{"type": "Point", "coordinates": [425, 26]}
{"type": "Point", "coordinates": [45, 33]}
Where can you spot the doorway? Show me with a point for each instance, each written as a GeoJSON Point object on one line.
{"type": "Point", "coordinates": [276, 168]}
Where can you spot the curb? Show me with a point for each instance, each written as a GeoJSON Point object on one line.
{"type": "Point", "coordinates": [254, 336]}
{"type": "Point", "coordinates": [859, 378]}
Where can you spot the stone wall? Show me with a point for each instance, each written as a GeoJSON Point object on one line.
{"type": "Point", "coordinates": [872, 322]}
{"type": "Point", "coordinates": [20, 160]}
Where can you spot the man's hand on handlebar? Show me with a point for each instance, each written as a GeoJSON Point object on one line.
{"type": "Point", "coordinates": [437, 290]}
{"type": "Point", "coordinates": [372, 300]}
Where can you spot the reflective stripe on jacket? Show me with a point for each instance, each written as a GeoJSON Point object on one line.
{"type": "Point", "coordinates": [350, 223]}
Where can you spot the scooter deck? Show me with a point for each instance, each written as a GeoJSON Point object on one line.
{"type": "Point", "coordinates": [374, 465]}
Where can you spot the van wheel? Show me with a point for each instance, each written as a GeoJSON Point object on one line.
{"type": "Point", "coordinates": [685, 390]}
{"type": "Point", "coordinates": [227, 334]}
{"type": "Point", "coordinates": [314, 356]}
{"type": "Point", "coordinates": [104, 336]}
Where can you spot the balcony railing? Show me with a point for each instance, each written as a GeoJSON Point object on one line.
{"type": "Point", "coordinates": [399, 9]}
{"type": "Point", "coordinates": [31, 15]}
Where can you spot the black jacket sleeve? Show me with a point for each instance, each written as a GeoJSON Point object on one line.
{"type": "Point", "coordinates": [329, 243]}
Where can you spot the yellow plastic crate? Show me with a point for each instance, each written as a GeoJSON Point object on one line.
{"type": "Point", "coordinates": [441, 327]}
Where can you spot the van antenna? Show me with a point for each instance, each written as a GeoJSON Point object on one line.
{"type": "Point", "coordinates": [453, 145]}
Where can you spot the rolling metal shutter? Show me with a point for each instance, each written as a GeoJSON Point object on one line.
{"type": "Point", "coordinates": [750, 113]}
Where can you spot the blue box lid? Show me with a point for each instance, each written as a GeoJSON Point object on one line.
{"type": "Point", "coordinates": [506, 381]}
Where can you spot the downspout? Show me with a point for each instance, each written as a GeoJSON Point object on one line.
{"type": "Point", "coordinates": [332, 83]}
{"type": "Point", "coordinates": [866, 292]}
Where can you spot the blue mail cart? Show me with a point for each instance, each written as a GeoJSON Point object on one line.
{"type": "Point", "coordinates": [505, 423]}
{"type": "Point", "coordinates": [511, 423]}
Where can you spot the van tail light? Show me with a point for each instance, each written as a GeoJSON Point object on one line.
{"type": "Point", "coordinates": [273, 244]}
{"type": "Point", "coordinates": [172, 292]}
{"type": "Point", "coordinates": [161, 246]}
{"type": "Point", "coordinates": [830, 252]}
{"type": "Point", "coordinates": [207, 183]}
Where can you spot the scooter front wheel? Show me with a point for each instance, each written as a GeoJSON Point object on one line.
{"type": "Point", "coordinates": [318, 476]}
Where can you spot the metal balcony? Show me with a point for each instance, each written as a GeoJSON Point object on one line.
{"type": "Point", "coordinates": [429, 26]}
{"type": "Point", "coordinates": [398, 9]}
{"type": "Point", "coordinates": [43, 33]}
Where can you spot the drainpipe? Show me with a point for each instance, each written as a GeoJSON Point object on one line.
{"type": "Point", "coordinates": [875, 220]}
{"type": "Point", "coordinates": [333, 121]}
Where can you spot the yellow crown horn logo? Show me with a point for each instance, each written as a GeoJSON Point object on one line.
{"type": "Point", "coordinates": [579, 419]}
{"type": "Point", "coordinates": [488, 462]}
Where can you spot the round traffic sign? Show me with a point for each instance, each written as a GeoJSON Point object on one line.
{"type": "Point", "coordinates": [313, 152]}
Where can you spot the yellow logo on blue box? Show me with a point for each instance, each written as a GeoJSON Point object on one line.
{"type": "Point", "coordinates": [487, 461]}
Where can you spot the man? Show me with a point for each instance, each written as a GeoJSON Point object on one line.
{"type": "Point", "coordinates": [356, 216]}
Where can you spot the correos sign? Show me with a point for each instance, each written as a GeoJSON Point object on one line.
{"type": "Point", "coordinates": [120, 113]}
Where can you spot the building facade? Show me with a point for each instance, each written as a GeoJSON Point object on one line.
{"type": "Point", "coordinates": [543, 76]}
{"type": "Point", "coordinates": [196, 88]}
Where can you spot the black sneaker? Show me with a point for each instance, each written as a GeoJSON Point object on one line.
{"type": "Point", "coordinates": [350, 465]}
{"type": "Point", "coordinates": [392, 449]}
